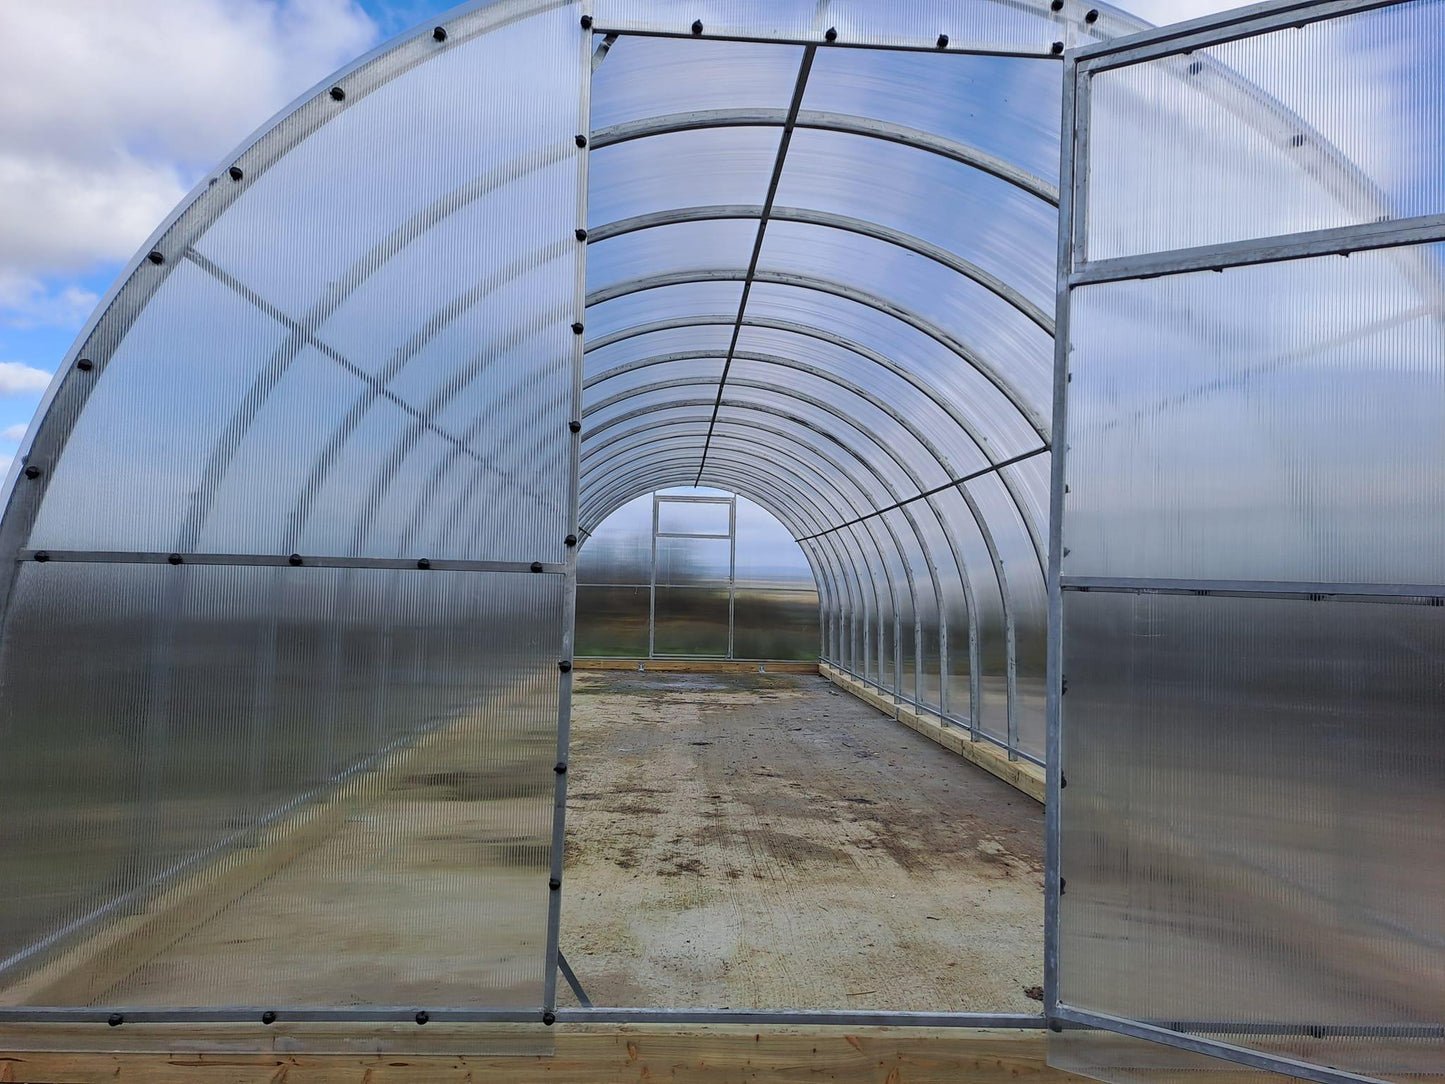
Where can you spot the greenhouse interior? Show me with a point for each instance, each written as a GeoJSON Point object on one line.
{"type": "Point", "coordinates": [756, 539]}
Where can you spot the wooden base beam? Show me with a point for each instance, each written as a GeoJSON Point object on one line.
{"type": "Point", "coordinates": [699, 666]}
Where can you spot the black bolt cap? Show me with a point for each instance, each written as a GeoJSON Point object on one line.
{"type": "Point", "coordinates": [570, 540]}
{"type": "Point", "coordinates": [831, 34]}
{"type": "Point", "coordinates": [295, 559]}
{"type": "Point", "coordinates": [32, 472]}
{"type": "Point", "coordinates": [560, 767]}
{"type": "Point", "coordinates": [578, 327]}
{"type": "Point", "coordinates": [1091, 16]}
{"type": "Point", "coordinates": [554, 884]}
{"type": "Point", "coordinates": [115, 1020]}
{"type": "Point", "coordinates": [423, 1016]}
{"type": "Point", "coordinates": [586, 22]}
{"type": "Point", "coordinates": [580, 140]}
{"type": "Point", "coordinates": [423, 563]}
{"type": "Point", "coordinates": [575, 426]}
{"type": "Point", "coordinates": [439, 33]}
{"type": "Point", "coordinates": [85, 365]}
{"type": "Point", "coordinates": [580, 233]}
{"type": "Point", "coordinates": [235, 173]}
{"type": "Point", "coordinates": [42, 556]}
{"type": "Point", "coordinates": [565, 666]}
{"type": "Point", "coordinates": [536, 566]}
{"type": "Point", "coordinates": [943, 41]}
{"type": "Point", "coordinates": [1056, 5]}
{"type": "Point", "coordinates": [697, 26]}
{"type": "Point", "coordinates": [549, 1018]}
{"type": "Point", "coordinates": [268, 1017]}
{"type": "Point", "coordinates": [1056, 48]}
{"type": "Point", "coordinates": [337, 93]}
{"type": "Point", "coordinates": [175, 558]}
{"type": "Point", "coordinates": [155, 257]}
{"type": "Point", "coordinates": [1054, 1025]}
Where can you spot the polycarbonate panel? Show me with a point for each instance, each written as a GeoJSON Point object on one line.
{"type": "Point", "coordinates": [612, 621]}
{"type": "Point", "coordinates": [693, 561]}
{"type": "Point", "coordinates": [985, 25]}
{"type": "Point", "coordinates": [619, 551]}
{"type": "Point", "coordinates": [1278, 422]}
{"type": "Point", "coordinates": [1004, 106]}
{"type": "Point", "coordinates": [366, 754]}
{"type": "Point", "coordinates": [1252, 823]}
{"type": "Point", "coordinates": [694, 517]}
{"type": "Point", "coordinates": [644, 77]}
{"type": "Point", "coordinates": [662, 250]}
{"type": "Point", "coordinates": [690, 621]}
{"type": "Point", "coordinates": [685, 300]}
{"type": "Point", "coordinates": [679, 169]}
{"type": "Point", "coordinates": [1332, 124]}
{"type": "Point", "coordinates": [713, 337]}
{"type": "Point", "coordinates": [775, 624]}
{"type": "Point", "coordinates": [767, 555]}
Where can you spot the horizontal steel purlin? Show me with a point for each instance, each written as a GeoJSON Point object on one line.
{"type": "Point", "coordinates": [271, 560]}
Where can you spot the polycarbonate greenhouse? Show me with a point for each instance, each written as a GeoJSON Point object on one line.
{"type": "Point", "coordinates": [1097, 370]}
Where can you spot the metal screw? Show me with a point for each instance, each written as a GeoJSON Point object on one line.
{"type": "Point", "coordinates": [575, 426]}
{"type": "Point", "coordinates": [1092, 15]}
{"type": "Point", "coordinates": [580, 233]}
{"type": "Point", "coordinates": [235, 173]}
{"type": "Point", "coordinates": [697, 26]}
{"type": "Point", "coordinates": [295, 559]}
{"type": "Point", "coordinates": [580, 140]}
{"type": "Point", "coordinates": [586, 22]}
{"type": "Point", "coordinates": [560, 767]}
{"type": "Point", "coordinates": [268, 1017]}
{"type": "Point", "coordinates": [175, 558]}
{"type": "Point", "coordinates": [1056, 48]}
{"type": "Point", "coordinates": [565, 666]}
{"type": "Point", "coordinates": [423, 1016]}
{"type": "Point", "coordinates": [439, 33]}
{"type": "Point", "coordinates": [85, 365]}
{"type": "Point", "coordinates": [32, 472]}
{"type": "Point", "coordinates": [42, 556]}
{"type": "Point", "coordinates": [549, 1018]}
{"type": "Point", "coordinates": [831, 34]}
{"type": "Point", "coordinates": [155, 257]}
{"type": "Point", "coordinates": [337, 94]}
{"type": "Point", "coordinates": [554, 884]}
{"type": "Point", "coordinates": [1056, 5]}
{"type": "Point", "coordinates": [577, 327]}
{"type": "Point", "coordinates": [536, 566]}
{"type": "Point", "coordinates": [943, 41]}
{"type": "Point", "coordinates": [423, 564]}
{"type": "Point", "coordinates": [116, 1020]}
{"type": "Point", "coordinates": [570, 540]}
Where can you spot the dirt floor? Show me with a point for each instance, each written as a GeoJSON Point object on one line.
{"type": "Point", "coordinates": [767, 840]}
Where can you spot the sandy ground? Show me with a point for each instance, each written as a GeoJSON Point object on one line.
{"type": "Point", "coordinates": [769, 841]}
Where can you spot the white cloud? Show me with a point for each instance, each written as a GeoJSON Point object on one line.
{"type": "Point", "coordinates": [111, 110]}
{"type": "Point", "coordinates": [14, 433]}
{"type": "Point", "coordinates": [1162, 12]}
{"type": "Point", "coordinates": [17, 378]}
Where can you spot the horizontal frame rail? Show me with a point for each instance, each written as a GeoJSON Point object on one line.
{"type": "Point", "coordinates": [271, 560]}
{"type": "Point", "coordinates": [1405, 593]}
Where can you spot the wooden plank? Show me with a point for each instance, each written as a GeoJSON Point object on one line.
{"type": "Point", "coordinates": [600, 1054]}
{"type": "Point", "coordinates": [1020, 774]}
{"type": "Point", "coordinates": [699, 666]}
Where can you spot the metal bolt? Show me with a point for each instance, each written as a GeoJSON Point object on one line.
{"type": "Point", "coordinates": [295, 559]}
{"type": "Point", "coordinates": [549, 1018]}
{"type": "Point", "coordinates": [1054, 1025]}
{"type": "Point", "coordinates": [155, 257]}
{"type": "Point", "coordinates": [268, 1017]}
{"type": "Point", "coordinates": [697, 26]}
{"type": "Point", "coordinates": [439, 33]}
{"type": "Point", "coordinates": [337, 94]}
{"type": "Point", "coordinates": [115, 1020]}
{"type": "Point", "coordinates": [554, 884]}
{"type": "Point", "coordinates": [32, 472]}
{"type": "Point", "coordinates": [1091, 16]}
{"type": "Point", "coordinates": [235, 173]}
{"type": "Point", "coordinates": [560, 767]}
{"type": "Point", "coordinates": [423, 1016]}
{"type": "Point", "coordinates": [423, 564]}
{"type": "Point", "coordinates": [577, 327]}
{"type": "Point", "coordinates": [536, 566]}
{"type": "Point", "coordinates": [85, 365]}
{"type": "Point", "coordinates": [175, 558]}
{"type": "Point", "coordinates": [575, 426]}
{"type": "Point", "coordinates": [1056, 48]}
{"type": "Point", "coordinates": [580, 233]}
{"type": "Point", "coordinates": [831, 34]}
{"type": "Point", "coordinates": [586, 22]}
{"type": "Point", "coordinates": [570, 540]}
{"type": "Point", "coordinates": [580, 140]}
{"type": "Point", "coordinates": [565, 666]}
{"type": "Point", "coordinates": [943, 41]}
{"type": "Point", "coordinates": [42, 556]}
{"type": "Point", "coordinates": [1056, 5]}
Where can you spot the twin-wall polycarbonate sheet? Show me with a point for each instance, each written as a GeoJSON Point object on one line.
{"type": "Point", "coordinates": [1335, 123]}
{"type": "Point", "coordinates": [169, 727]}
